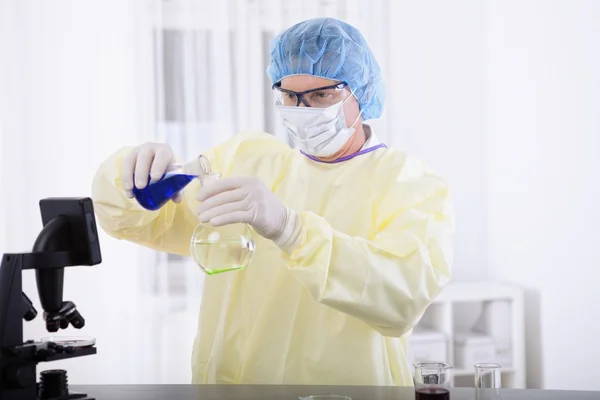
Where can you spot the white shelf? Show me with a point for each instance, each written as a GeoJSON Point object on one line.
{"type": "Point", "coordinates": [493, 308]}
{"type": "Point", "coordinates": [478, 291]}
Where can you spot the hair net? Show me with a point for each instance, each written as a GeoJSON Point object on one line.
{"type": "Point", "coordinates": [331, 49]}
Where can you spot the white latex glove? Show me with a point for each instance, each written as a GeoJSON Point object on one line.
{"type": "Point", "coordinates": [248, 200]}
{"type": "Point", "coordinates": [148, 159]}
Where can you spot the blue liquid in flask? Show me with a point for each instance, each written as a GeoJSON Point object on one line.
{"type": "Point", "coordinates": [157, 194]}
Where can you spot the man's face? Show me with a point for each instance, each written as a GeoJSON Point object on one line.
{"type": "Point", "coordinates": [301, 83]}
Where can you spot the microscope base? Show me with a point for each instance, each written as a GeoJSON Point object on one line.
{"type": "Point", "coordinates": [33, 395]}
{"type": "Point", "coordinates": [71, 396]}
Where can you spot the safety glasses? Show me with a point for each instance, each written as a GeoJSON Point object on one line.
{"type": "Point", "coordinates": [321, 97]}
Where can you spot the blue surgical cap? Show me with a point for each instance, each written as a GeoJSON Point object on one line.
{"type": "Point", "coordinates": [332, 49]}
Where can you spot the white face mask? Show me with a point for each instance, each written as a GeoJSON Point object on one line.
{"type": "Point", "coordinates": [320, 132]}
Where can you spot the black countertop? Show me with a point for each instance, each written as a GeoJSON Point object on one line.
{"type": "Point", "coordinates": [259, 392]}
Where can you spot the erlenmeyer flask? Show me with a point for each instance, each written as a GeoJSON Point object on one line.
{"type": "Point", "coordinates": [177, 176]}
{"type": "Point", "coordinates": [224, 248]}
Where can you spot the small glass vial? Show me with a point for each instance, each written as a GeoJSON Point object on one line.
{"type": "Point", "coordinates": [488, 376]}
{"type": "Point", "coordinates": [432, 381]}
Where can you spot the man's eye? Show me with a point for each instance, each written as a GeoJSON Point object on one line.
{"type": "Point", "coordinates": [321, 95]}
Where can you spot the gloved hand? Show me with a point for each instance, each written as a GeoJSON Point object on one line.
{"type": "Point", "coordinates": [148, 159]}
{"type": "Point", "coordinates": [246, 200]}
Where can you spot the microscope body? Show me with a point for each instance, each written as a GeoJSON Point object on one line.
{"type": "Point", "coordinates": [69, 238]}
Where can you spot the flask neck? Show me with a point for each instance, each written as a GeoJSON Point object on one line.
{"type": "Point", "coordinates": [198, 167]}
{"type": "Point", "coordinates": [209, 178]}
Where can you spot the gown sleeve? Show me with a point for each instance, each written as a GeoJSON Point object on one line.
{"type": "Point", "coordinates": [170, 228]}
{"type": "Point", "coordinates": [387, 280]}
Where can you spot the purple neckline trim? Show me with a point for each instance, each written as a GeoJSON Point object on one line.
{"type": "Point", "coordinates": [346, 158]}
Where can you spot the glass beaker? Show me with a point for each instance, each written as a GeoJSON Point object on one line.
{"type": "Point", "coordinates": [432, 381]}
{"type": "Point", "coordinates": [487, 376]}
{"type": "Point", "coordinates": [223, 248]}
{"type": "Point", "coordinates": [176, 177]}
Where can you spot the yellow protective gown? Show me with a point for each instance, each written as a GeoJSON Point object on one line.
{"type": "Point", "coordinates": [375, 251]}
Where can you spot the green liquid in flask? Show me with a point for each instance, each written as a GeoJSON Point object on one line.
{"type": "Point", "coordinates": [222, 249]}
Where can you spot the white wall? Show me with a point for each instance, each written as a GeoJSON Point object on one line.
{"type": "Point", "coordinates": [71, 79]}
{"type": "Point", "coordinates": [436, 104]}
{"type": "Point", "coordinates": [3, 233]}
{"type": "Point", "coordinates": [543, 123]}
{"type": "Point", "coordinates": [4, 27]}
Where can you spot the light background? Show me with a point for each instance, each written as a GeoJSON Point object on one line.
{"type": "Point", "coordinates": [501, 97]}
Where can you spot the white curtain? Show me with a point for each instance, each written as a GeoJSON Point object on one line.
{"type": "Point", "coordinates": [67, 101]}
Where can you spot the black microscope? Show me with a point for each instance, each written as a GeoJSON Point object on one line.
{"type": "Point", "coordinates": [69, 238]}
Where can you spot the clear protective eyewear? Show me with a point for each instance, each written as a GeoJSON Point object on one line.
{"type": "Point", "coordinates": [321, 97]}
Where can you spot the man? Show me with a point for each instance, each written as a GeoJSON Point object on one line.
{"type": "Point", "coordinates": [354, 239]}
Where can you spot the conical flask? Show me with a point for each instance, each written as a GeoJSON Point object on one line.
{"type": "Point", "coordinates": [176, 177]}
{"type": "Point", "coordinates": [223, 248]}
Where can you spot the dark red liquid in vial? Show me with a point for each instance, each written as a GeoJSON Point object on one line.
{"type": "Point", "coordinates": [432, 393]}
